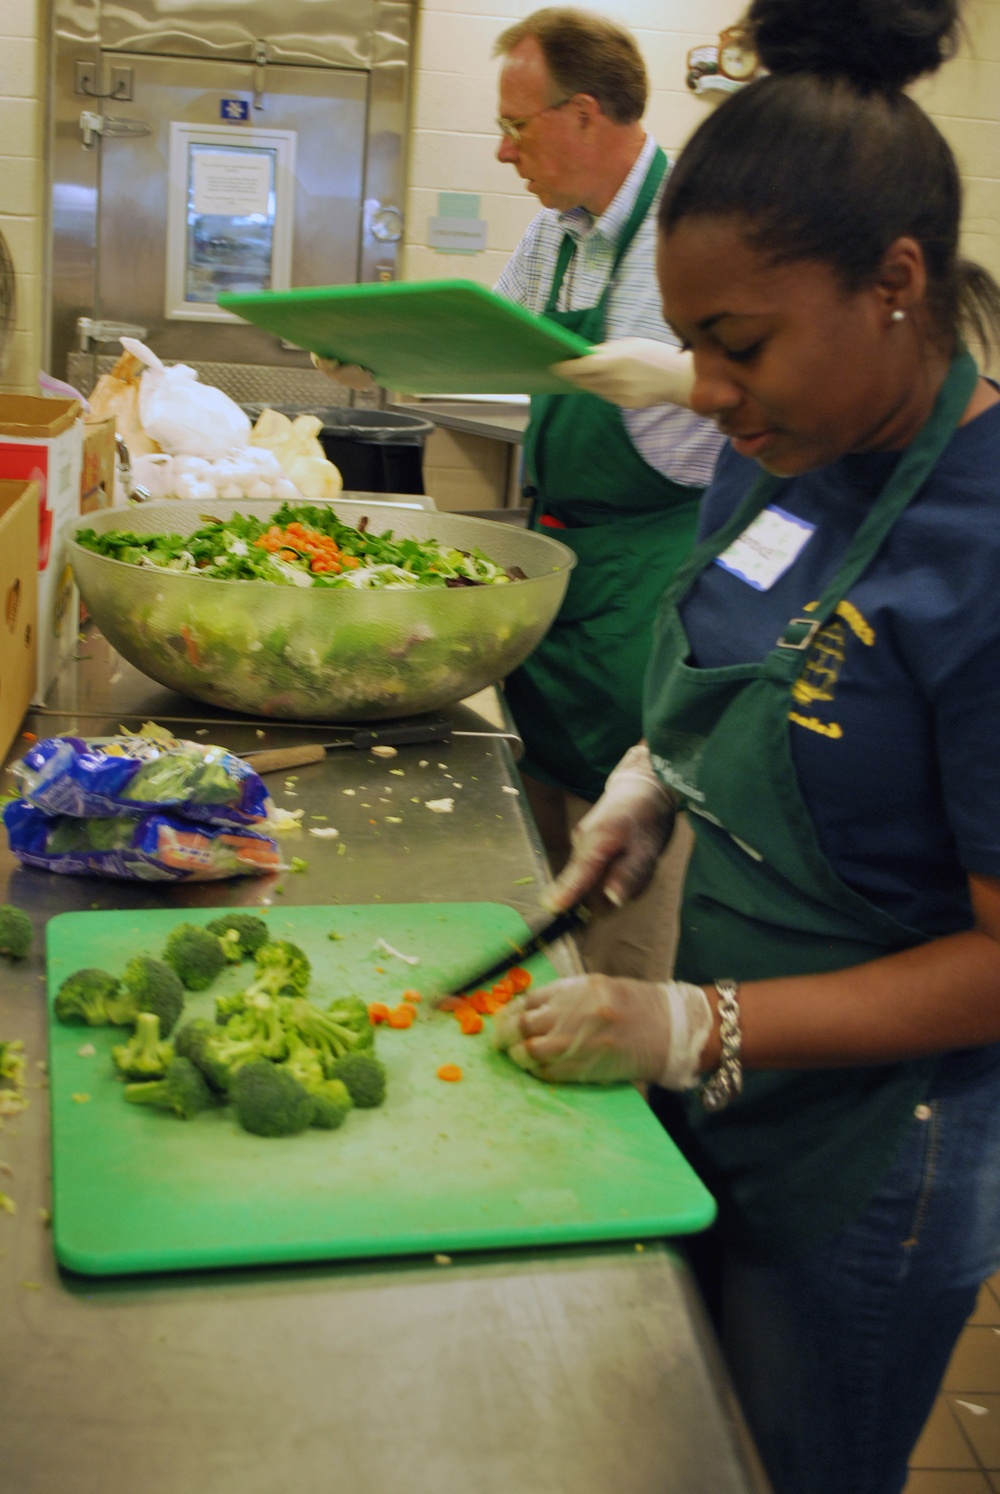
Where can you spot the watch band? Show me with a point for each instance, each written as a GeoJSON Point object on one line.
{"type": "Point", "coordinates": [727, 1080]}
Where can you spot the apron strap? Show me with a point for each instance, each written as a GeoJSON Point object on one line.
{"type": "Point", "coordinates": [643, 203]}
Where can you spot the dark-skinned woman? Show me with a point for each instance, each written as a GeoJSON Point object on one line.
{"type": "Point", "coordinates": [824, 699]}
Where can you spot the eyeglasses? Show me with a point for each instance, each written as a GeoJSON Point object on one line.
{"type": "Point", "coordinates": [511, 129]}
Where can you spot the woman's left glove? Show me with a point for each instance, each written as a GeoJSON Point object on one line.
{"type": "Point", "coordinates": [600, 1029]}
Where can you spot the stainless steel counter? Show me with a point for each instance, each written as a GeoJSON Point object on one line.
{"type": "Point", "coordinates": [495, 418]}
{"type": "Point", "coordinates": [525, 1372]}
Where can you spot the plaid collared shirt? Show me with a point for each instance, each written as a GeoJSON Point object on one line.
{"type": "Point", "coordinates": [680, 445]}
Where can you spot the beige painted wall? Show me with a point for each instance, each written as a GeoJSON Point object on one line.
{"type": "Point", "coordinates": [453, 137]}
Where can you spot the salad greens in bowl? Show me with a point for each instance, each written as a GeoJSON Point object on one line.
{"type": "Point", "coordinates": [317, 611]}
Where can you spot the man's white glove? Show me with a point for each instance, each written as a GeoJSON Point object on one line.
{"type": "Point", "coordinates": [617, 843]}
{"type": "Point", "coordinates": [351, 375]}
{"type": "Point", "coordinates": [634, 372]}
{"type": "Point", "coordinates": [601, 1029]}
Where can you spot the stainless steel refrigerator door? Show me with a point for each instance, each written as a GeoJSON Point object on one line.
{"type": "Point", "coordinates": [326, 108]}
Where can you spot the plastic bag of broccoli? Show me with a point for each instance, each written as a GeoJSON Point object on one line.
{"type": "Point", "coordinates": [104, 776]}
{"type": "Point", "coordinates": [143, 847]}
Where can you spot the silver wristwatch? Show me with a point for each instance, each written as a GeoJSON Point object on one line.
{"type": "Point", "coordinates": [727, 1080]}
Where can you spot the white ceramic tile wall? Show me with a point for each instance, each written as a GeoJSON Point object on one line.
{"type": "Point", "coordinates": [453, 139]}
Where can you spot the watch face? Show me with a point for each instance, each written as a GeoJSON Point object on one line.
{"type": "Point", "coordinates": [736, 62]}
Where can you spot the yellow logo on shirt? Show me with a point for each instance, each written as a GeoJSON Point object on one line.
{"type": "Point", "coordinates": [818, 680]}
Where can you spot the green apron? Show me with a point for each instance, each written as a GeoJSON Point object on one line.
{"type": "Point", "coordinates": [800, 1152]}
{"type": "Point", "coordinates": [577, 700]}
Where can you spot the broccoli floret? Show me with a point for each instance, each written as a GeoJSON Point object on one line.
{"type": "Point", "coordinates": [331, 1102]}
{"type": "Point", "coordinates": [190, 1041]}
{"type": "Point", "coordinates": [260, 1022]}
{"type": "Point", "coordinates": [144, 1056]}
{"type": "Point", "coordinates": [183, 1090]}
{"type": "Point", "coordinates": [195, 954]}
{"type": "Point", "coordinates": [95, 997]}
{"type": "Point", "coordinates": [320, 1031]}
{"type": "Point", "coordinates": [155, 987]}
{"type": "Point", "coordinates": [282, 969]}
{"type": "Point", "coordinates": [305, 1065]}
{"type": "Point", "coordinates": [352, 1012]}
{"type": "Point", "coordinates": [364, 1076]}
{"type": "Point", "coordinates": [241, 934]}
{"type": "Point", "coordinates": [269, 1101]}
{"type": "Point", "coordinates": [15, 932]}
{"type": "Point", "coordinates": [229, 1006]}
{"type": "Point", "coordinates": [222, 1055]}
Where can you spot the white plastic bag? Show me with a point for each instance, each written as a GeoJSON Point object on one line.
{"type": "Point", "coordinates": [181, 415]}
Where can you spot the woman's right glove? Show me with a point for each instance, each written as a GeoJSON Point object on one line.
{"type": "Point", "coordinates": [350, 375]}
{"type": "Point", "coordinates": [617, 843]}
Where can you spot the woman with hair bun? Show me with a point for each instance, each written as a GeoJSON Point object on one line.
{"type": "Point", "coordinates": [824, 699]}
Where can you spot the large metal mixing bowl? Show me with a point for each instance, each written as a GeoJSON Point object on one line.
{"type": "Point", "coordinates": [312, 654]}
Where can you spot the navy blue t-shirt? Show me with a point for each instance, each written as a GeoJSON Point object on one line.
{"type": "Point", "coordinates": [895, 721]}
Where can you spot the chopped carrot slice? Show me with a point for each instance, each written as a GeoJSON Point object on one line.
{"type": "Point", "coordinates": [519, 979]}
{"type": "Point", "coordinates": [413, 996]}
{"type": "Point", "coordinates": [471, 1023]}
{"type": "Point", "coordinates": [451, 1003]}
{"type": "Point", "coordinates": [377, 1012]}
{"type": "Point", "coordinates": [504, 988]}
{"type": "Point", "coordinates": [450, 1071]}
{"type": "Point", "coordinates": [478, 1000]}
{"type": "Point", "coordinates": [401, 1016]}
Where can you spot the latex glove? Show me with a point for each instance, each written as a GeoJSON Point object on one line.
{"type": "Point", "coordinates": [617, 843]}
{"type": "Point", "coordinates": [634, 372]}
{"type": "Point", "coordinates": [600, 1029]}
{"type": "Point", "coordinates": [351, 375]}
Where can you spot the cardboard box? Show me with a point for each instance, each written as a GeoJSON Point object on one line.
{"type": "Point", "coordinates": [18, 605]}
{"type": "Point", "coordinates": [97, 478]}
{"type": "Point", "coordinates": [41, 440]}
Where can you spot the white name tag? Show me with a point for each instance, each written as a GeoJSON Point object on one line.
{"type": "Point", "coordinates": [766, 549]}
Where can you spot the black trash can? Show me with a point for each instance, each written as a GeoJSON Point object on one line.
{"type": "Point", "coordinates": [376, 451]}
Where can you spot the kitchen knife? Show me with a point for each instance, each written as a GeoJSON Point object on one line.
{"type": "Point", "coordinates": [554, 928]}
{"type": "Point", "coordinates": [272, 759]}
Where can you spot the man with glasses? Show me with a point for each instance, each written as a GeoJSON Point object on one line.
{"type": "Point", "coordinates": [621, 487]}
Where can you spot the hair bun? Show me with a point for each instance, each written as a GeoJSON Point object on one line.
{"type": "Point", "coordinates": [882, 44]}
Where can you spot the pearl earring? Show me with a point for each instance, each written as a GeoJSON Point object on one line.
{"type": "Point", "coordinates": [897, 315]}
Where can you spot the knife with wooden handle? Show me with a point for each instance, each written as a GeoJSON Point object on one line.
{"type": "Point", "coordinates": [274, 759]}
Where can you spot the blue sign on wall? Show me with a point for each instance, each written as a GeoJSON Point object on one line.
{"type": "Point", "coordinates": [234, 109]}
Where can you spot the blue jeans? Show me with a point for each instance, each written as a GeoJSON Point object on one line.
{"type": "Point", "coordinates": [837, 1354]}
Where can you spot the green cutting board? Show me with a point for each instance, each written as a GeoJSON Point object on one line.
{"type": "Point", "coordinates": [420, 337]}
{"type": "Point", "coordinates": [499, 1159]}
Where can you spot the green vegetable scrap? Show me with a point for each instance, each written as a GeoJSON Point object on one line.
{"type": "Point", "coordinates": [195, 954]}
{"type": "Point", "coordinates": [12, 1062]}
{"type": "Point", "coordinates": [145, 1055]}
{"type": "Point", "coordinates": [297, 864]}
{"type": "Point", "coordinates": [183, 1091]}
{"type": "Point", "coordinates": [15, 932]}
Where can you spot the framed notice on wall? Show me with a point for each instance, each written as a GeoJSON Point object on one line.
{"type": "Point", "coordinates": [229, 216]}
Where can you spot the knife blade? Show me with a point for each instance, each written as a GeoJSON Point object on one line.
{"type": "Point", "coordinates": [363, 739]}
{"type": "Point", "coordinates": [556, 927]}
